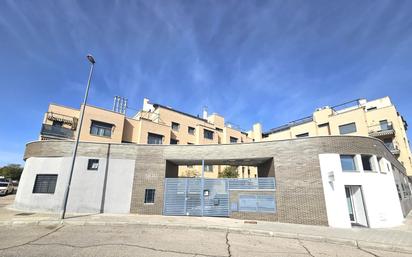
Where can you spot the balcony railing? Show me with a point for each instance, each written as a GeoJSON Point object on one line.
{"type": "Point", "coordinates": [152, 116]}
{"type": "Point", "coordinates": [56, 131]}
{"type": "Point", "coordinates": [393, 147]}
{"type": "Point", "coordinates": [383, 129]}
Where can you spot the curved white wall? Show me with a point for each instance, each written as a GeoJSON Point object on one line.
{"type": "Point", "coordinates": [379, 192]}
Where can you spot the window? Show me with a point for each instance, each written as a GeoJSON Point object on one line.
{"type": "Point", "coordinates": [371, 108]}
{"type": "Point", "coordinates": [219, 129]}
{"type": "Point", "coordinates": [174, 141]}
{"type": "Point", "coordinates": [149, 196]}
{"type": "Point", "coordinates": [348, 162]}
{"type": "Point", "coordinates": [93, 164]}
{"type": "Point", "coordinates": [233, 140]}
{"type": "Point", "coordinates": [101, 129]}
{"type": "Point", "coordinates": [388, 143]}
{"type": "Point", "coordinates": [347, 128]}
{"type": "Point", "coordinates": [175, 126]}
{"type": "Point", "coordinates": [367, 162]}
{"type": "Point", "coordinates": [208, 134]}
{"type": "Point", "coordinates": [384, 125]}
{"type": "Point", "coordinates": [208, 168]}
{"type": "Point", "coordinates": [57, 123]}
{"type": "Point", "coordinates": [190, 143]}
{"type": "Point", "coordinates": [303, 135]}
{"type": "Point", "coordinates": [191, 130]}
{"type": "Point", "coordinates": [45, 184]}
{"type": "Point", "coordinates": [154, 139]}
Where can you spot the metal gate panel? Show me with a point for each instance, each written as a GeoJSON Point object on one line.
{"type": "Point", "coordinates": [175, 197]}
{"type": "Point", "coordinates": [193, 197]}
{"type": "Point", "coordinates": [216, 198]}
{"type": "Point", "coordinates": [206, 197]}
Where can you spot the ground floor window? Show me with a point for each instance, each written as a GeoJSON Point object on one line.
{"type": "Point", "coordinates": [45, 184]}
{"type": "Point", "coordinates": [149, 196]}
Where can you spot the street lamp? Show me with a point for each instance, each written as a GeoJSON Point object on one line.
{"type": "Point", "coordinates": [66, 194]}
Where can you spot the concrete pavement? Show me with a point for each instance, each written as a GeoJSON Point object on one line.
{"type": "Point", "coordinates": [142, 240]}
{"type": "Point", "coordinates": [395, 239]}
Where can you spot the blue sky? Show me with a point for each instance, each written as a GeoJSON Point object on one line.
{"type": "Point", "coordinates": [251, 61]}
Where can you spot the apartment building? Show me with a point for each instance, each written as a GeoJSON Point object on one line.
{"type": "Point", "coordinates": [378, 118]}
{"type": "Point", "coordinates": [154, 124]}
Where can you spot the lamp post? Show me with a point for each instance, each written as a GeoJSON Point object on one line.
{"type": "Point", "coordinates": [66, 194]}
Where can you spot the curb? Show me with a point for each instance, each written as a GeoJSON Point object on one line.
{"type": "Point", "coordinates": [287, 235]}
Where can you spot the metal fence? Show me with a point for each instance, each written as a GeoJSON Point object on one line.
{"type": "Point", "coordinates": [211, 197]}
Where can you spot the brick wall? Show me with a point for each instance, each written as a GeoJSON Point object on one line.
{"type": "Point", "coordinates": [299, 191]}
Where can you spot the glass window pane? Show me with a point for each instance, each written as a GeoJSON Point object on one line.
{"type": "Point", "coordinates": [348, 162]}
{"type": "Point", "coordinates": [347, 128]}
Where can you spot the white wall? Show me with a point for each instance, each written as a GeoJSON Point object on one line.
{"type": "Point", "coordinates": [381, 200]}
{"type": "Point", "coordinates": [26, 200]}
{"type": "Point", "coordinates": [86, 188]}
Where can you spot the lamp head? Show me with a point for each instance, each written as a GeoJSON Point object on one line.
{"type": "Point", "coordinates": [91, 59]}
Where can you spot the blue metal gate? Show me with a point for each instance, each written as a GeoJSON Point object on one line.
{"type": "Point", "coordinates": [206, 197]}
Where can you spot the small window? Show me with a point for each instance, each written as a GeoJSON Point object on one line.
{"type": "Point", "coordinates": [303, 135]}
{"type": "Point", "coordinates": [347, 128]}
{"type": "Point", "coordinates": [175, 126]}
{"type": "Point", "coordinates": [219, 129]}
{"type": "Point", "coordinates": [384, 125]}
{"type": "Point", "coordinates": [371, 108]}
{"type": "Point", "coordinates": [190, 143]}
{"type": "Point", "coordinates": [93, 164]}
{"type": "Point", "coordinates": [208, 134]}
{"type": "Point", "coordinates": [348, 162]}
{"type": "Point", "coordinates": [154, 139]}
{"type": "Point", "coordinates": [208, 168]}
{"type": "Point", "coordinates": [57, 123]}
{"type": "Point", "coordinates": [174, 141]}
{"type": "Point", "coordinates": [233, 140]}
{"type": "Point", "coordinates": [191, 130]}
{"type": "Point", "coordinates": [45, 184]}
{"type": "Point", "coordinates": [101, 129]}
{"type": "Point", "coordinates": [367, 162]}
{"type": "Point", "coordinates": [149, 196]}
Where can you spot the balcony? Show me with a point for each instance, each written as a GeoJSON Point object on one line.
{"type": "Point", "coordinates": [56, 132]}
{"type": "Point", "coordinates": [152, 116]}
{"type": "Point", "coordinates": [393, 147]}
{"type": "Point", "coordinates": [381, 130]}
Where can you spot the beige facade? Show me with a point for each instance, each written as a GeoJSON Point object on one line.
{"type": "Point", "coordinates": [154, 124]}
{"type": "Point", "coordinates": [378, 118]}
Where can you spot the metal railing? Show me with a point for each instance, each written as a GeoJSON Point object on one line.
{"type": "Point", "coordinates": [56, 131]}
{"type": "Point", "coordinates": [381, 129]}
{"type": "Point", "coordinates": [155, 117]}
{"type": "Point", "coordinates": [65, 119]}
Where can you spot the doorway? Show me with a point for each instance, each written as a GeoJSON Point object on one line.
{"type": "Point", "coordinates": [356, 206]}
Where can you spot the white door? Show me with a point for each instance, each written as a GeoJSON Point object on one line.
{"type": "Point", "coordinates": [356, 207]}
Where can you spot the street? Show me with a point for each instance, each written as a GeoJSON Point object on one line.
{"type": "Point", "coordinates": [137, 240]}
{"type": "Point", "coordinates": [145, 240]}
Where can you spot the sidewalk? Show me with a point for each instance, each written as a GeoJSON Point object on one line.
{"type": "Point", "coordinates": [395, 239]}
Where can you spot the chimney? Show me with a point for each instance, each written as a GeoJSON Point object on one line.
{"type": "Point", "coordinates": [204, 112]}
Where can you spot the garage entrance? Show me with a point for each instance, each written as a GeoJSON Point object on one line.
{"type": "Point", "coordinates": [218, 197]}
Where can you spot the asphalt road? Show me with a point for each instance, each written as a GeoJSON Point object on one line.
{"type": "Point", "coordinates": [138, 240]}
